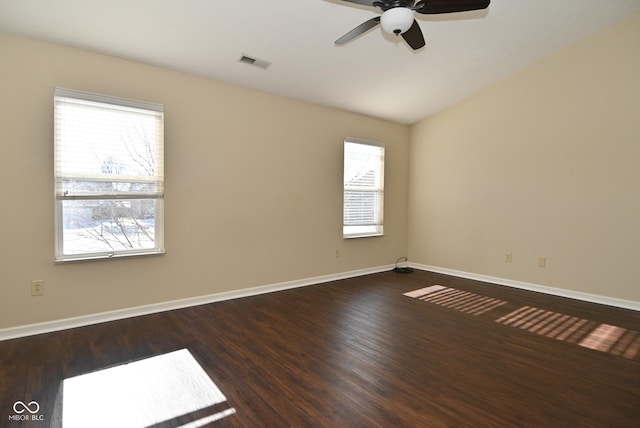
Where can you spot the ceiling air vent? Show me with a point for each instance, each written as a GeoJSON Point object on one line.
{"type": "Point", "coordinates": [254, 61]}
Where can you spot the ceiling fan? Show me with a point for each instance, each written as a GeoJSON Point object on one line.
{"type": "Point", "coordinates": [398, 17]}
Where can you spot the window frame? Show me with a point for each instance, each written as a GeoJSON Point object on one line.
{"type": "Point", "coordinates": [376, 227]}
{"type": "Point", "coordinates": [154, 182]}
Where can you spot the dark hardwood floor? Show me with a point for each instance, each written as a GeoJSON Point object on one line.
{"type": "Point", "coordinates": [358, 353]}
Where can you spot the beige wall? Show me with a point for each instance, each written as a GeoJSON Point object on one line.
{"type": "Point", "coordinates": [253, 188]}
{"type": "Point", "coordinates": [545, 163]}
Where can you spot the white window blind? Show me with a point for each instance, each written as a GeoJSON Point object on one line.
{"type": "Point", "coordinates": [109, 176]}
{"type": "Point", "coordinates": [363, 207]}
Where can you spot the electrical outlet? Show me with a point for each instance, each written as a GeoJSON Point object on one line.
{"type": "Point", "coordinates": [508, 258]}
{"type": "Point", "coordinates": [37, 287]}
{"type": "Point", "coordinates": [542, 261]}
{"type": "Point", "coordinates": [337, 253]}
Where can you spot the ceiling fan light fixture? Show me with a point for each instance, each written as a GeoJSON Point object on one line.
{"type": "Point", "coordinates": [397, 20]}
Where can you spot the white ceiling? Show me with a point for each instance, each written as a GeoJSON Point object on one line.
{"type": "Point", "coordinates": [375, 74]}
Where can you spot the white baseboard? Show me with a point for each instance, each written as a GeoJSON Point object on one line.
{"type": "Point", "coordinates": [593, 298]}
{"type": "Point", "coordinates": [81, 321]}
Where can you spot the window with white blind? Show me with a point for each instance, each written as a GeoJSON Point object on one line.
{"type": "Point", "coordinates": [363, 207]}
{"type": "Point", "coordinates": [109, 176]}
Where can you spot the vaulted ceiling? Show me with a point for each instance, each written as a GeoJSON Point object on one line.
{"type": "Point", "coordinates": [375, 74]}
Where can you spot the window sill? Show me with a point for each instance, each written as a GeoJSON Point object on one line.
{"type": "Point", "coordinates": [92, 258]}
{"type": "Point", "coordinates": [362, 235]}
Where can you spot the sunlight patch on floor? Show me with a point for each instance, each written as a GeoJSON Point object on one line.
{"type": "Point", "coordinates": [460, 300]}
{"type": "Point", "coordinates": [588, 334]}
{"type": "Point", "coordinates": [141, 394]}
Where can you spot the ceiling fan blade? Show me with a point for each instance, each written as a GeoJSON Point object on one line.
{"type": "Point", "coordinates": [449, 6]}
{"type": "Point", "coordinates": [362, 2]}
{"type": "Point", "coordinates": [360, 29]}
{"type": "Point", "coordinates": [413, 36]}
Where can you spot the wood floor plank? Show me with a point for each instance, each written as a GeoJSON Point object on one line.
{"type": "Point", "coordinates": [360, 353]}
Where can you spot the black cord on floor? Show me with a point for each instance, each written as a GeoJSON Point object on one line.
{"type": "Point", "coordinates": [402, 269]}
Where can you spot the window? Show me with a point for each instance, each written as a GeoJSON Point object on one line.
{"type": "Point", "coordinates": [363, 189]}
{"type": "Point", "coordinates": [109, 176]}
